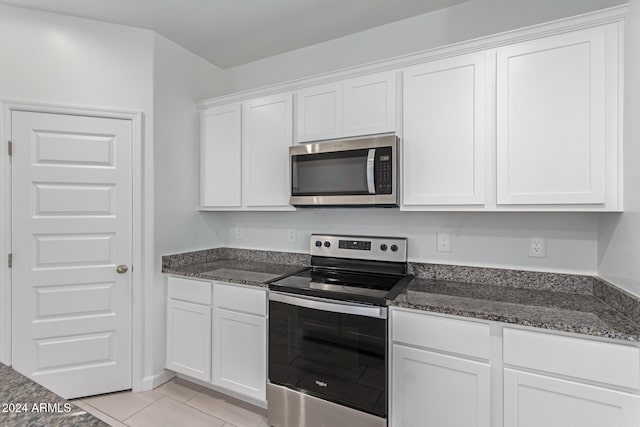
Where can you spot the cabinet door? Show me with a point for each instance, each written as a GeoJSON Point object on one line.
{"type": "Point", "coordinates": [369, 104]}
{"type": "Point", "coordinates": [551, 120]}
{"type": "Point", "coordinates": [220, 157]}
{"type": "Point", "coordinates": [189, 339]}
{"type": "Point", "coordinates": [539, 401]}
{"type": "Point", "coordinates": [430, 389]}
{"type": "Point", "coordinates": [268, 133]}
{"type": "Point", "coordinates": [240, 353]}
{"type": "Point", "coordinates": [444, 132]}
{"type": "Point", "coordinates": [319, 112]}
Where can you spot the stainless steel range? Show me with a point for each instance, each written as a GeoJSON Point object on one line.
{"type": "Point", "coordinates": [328, 333]}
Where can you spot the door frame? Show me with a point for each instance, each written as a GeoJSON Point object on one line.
{"type": "Point", "coordinates": [141, 213]}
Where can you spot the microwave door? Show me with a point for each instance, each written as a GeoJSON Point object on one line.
{"type": "Point", "coordinates": [371, 161]}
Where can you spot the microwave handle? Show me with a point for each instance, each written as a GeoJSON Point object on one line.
{"type": "Point", "coordinates": [371, 159]}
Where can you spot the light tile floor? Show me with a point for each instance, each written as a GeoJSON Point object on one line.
{"type": "Point", "coordinates": [176, 403]}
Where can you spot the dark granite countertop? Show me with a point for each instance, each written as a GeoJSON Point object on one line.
{"type": "Point", "coordinates": [581, 313]}
{"type": "Point", "coordinates": [234, 271]}
{"type": "Point", "coordinates": [563, 302]}
{"type": "Point", "coordinates": [25, 403]}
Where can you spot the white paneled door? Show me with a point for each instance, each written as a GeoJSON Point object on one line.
{"type": "Point", "coordinates": [72, 228]}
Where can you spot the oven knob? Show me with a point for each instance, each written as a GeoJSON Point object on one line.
{"type": "Point", "coordinates": [394, 248]}
{"type": "Point", "coordinates": [327, 244]}
{"type": "Point", "coordinates": [318, 243]}
{"type": "Point", "coordinates": [383, 247]}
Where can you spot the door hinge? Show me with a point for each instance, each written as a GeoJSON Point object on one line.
{"type": "Point", "coordinates": [10, 260]}
{"type": "Point", "coordinates": [10, 148]}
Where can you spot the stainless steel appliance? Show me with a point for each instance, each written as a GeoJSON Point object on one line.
{"type": "Point", "coordinates": [328, 333]}
{"type": "Point", "coordinates": [349, 172]}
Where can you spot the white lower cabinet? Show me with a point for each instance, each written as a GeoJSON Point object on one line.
{"type": "Point", "coordinates": [532, 400]}
{"type": "Point", "coordinates": [440, 375]}
{"type": "Point", "coordinates": [431, 389]}
{"type": "Point", "coordinates": [219, 328]}
{"type": "Point", "coordinates": [239, 353]}
{"type": "Point", "coordinates": [189, 327]}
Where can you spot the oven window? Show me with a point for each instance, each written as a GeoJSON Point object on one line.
{"type": "Point", "coordinates": [330, 174]}
{"type": "Point", "coordinates": [333, 356]}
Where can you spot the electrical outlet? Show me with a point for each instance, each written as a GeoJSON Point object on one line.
{"type": "Point", "coordinates": [443, 242]}
{"type": "Point", "coordinates": [239, 233]}
{"type": "Point", "coordinates": [292, 235]}
{"type": "Point", "coordinates": [537, 247]}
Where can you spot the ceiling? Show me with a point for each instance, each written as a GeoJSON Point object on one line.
{"type": "Point", "coordinates": [233, 32]}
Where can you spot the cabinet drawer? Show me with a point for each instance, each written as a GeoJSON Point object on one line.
{"type": "Point", "coordinates": [584, 359]}
{"type": "Point", "coordinates": [438, 333]}
{"type": "Point", "coordinates": [241, 298]}
{"type": "Point", "coordinates": [189, 290]}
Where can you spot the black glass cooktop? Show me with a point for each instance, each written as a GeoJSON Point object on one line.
{"type": "Point", "coordinates": [343, 285]}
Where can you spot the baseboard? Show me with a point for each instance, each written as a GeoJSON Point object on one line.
{"type": "Point", "coordinates": [152, 381]}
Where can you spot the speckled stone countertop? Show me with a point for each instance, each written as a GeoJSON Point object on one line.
{"type": "Point", "coordinates": [245, 267]}
{"type": "Point", "coordinates": [25, 403]}
{"type": "Point", "coordinates": [563, 302]}
{"type": "Point", "coordinates": [581, 313]}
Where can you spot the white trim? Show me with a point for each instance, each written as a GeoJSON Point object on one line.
{"type": "Point", "coordinates": [5, 242]}
{"type": "Point", "coordinates": [591, 19]}
{"type": "Point", "coordinates": [153, 381]}
{"type": "Point", "coordinates": [140, 270]}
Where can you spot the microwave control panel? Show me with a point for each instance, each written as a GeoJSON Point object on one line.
{"type": "Point", "coordinates": [384, 171]}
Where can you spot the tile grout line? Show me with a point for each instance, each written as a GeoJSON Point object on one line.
{"type": "Point", "coordinates": [206, 413]}
{"type": "Point", "coordinates": [102, 412]}
{"type": "Point", "coordinates": [141, 409]}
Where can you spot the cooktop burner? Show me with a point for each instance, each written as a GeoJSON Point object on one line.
{"type": "Point", "coordinates": [363, 269]}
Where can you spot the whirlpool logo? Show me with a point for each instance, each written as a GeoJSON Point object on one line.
{"type": "Point", "coordinates": [321, 383]}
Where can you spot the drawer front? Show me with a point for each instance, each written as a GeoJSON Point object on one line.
{"type": "Point", "coordinates": [241, 298]}
{"type": "Point", "coordinates": [441, 334]}
{"type": "Point", "coordinates": [584, 359]}
{"type": "Point", "coordinates": [189, 290]}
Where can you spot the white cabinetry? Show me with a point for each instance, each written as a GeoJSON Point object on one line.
{"type": "Point", "coordinates": [532, 400]}
{"type": "Point", "coordinates": [557, 120]}
{"type": "Point", "coordinates": [359, 106]}
{"type": "Point", "coordinates": [244, 155]}
{"type": "Point", "coordinates": [220, 157]}
{"type": "Point", "coordinates": [268, 132]}
{"type": "Point", "coordinates": [577, 382]}
{"type": "Point", "coordinates": [239, 334]}
{"type": "Point", "coordinates": [319, 112]}
{"type": "Point", "coordinates": [189, 327]}
{"type": "Point", "coordinates": [228, 348]}
{"type": "Point", "coordinates": [429, 387]}
{"type": "Point", "coordinates": [444, 146]}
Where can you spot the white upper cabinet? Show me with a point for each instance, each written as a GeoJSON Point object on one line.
{"type": "Point", "coordinates": [369, 104]}
{"type": "Point", "coordinates": [557, 120]}
{"type": "Point", "coordinates": [267, 135]}
{"type": "Point", "coordinates": [359, 106]}
{"type": "Point", "coordinates": [319, 112]}
{"type": "Point", "coordinates": [444, 143]}
{"type": "Point", "coordinates": [220, 158]}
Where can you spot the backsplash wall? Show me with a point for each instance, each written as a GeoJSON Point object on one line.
{"type": "Point", "coordinates": [497, 240]}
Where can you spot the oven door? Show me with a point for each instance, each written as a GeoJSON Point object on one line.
{"type": "Point", "coordinates": [329, 349]}
{"type": "Point", "coordinates": [351, 172]}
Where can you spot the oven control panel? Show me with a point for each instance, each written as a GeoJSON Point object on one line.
{"type": "Point", "coordinates": [359, 247]}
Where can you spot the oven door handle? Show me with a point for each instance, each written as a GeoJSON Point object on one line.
{"type": "Point", "coordinates": [330, 305]}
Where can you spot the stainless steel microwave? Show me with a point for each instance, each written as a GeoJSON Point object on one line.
{"type": "Point", "coordinates": [348, 172]}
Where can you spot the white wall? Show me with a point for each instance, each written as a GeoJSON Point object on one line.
{"type": "Point", "coordinates": [496, 240]}
{"type": "Point", "coordinates": [465, 21]}
{"type": "Point", "coordinates": [619, 235]}
{"type": "Point", "coordinates": [74, 62]}
{"type": "Point", "coordinates": [478, 239]}
{"type": "Point", "coordinates": [180, 78]}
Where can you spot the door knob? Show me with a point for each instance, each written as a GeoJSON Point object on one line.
{"type": "Point", "coordinates": [122, 269]}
